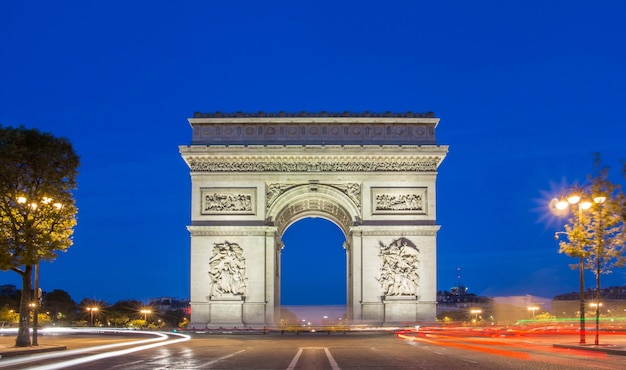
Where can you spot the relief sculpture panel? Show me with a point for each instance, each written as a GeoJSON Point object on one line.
{"type": "Point", "coordinates": [398, 273]}
{"type": "Point", "coordinates": [239, 201]}
{"type": "Point", "coordinates": [399, 201]}
{"type": "Point", "coordinates": [227, 270]}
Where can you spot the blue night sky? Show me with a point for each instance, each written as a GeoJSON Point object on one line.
{"type": "Point", "coordinates": [526, 92]}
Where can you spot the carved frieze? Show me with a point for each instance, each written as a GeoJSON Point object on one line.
{"type": "Point", "coordinates": [269, 164]}
{"type": "Point", "coordinates": [234, 130]}
{"type": "Point", "coordinates": [401, 200]}
{"type": "Point", "coordinates": [235, 201]}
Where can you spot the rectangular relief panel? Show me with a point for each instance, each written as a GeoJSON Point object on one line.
{"type": "Point", "coordinates": [228, 201]}
{"type": "Point", "coordinates": [399, 201]}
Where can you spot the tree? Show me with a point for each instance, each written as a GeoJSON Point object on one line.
{"type": "Point", "coordinates": [60, 305]}
{"type": "Point", "coordinates": [598, 234]}
{"type": "Point", "coordinates": [37, 208]}
{"type": "Point", "coordinates": [8, 316]}
{"type": "Point", "coordinates": [173, 318]}
{"type": "Point", "coordinates": [122, 312]}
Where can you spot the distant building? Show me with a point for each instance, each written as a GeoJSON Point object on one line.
{"type": "Point", "coordinates": [8, 289]}
{"type": "Point", "coordinates": [460, 305]}
{"type": "Point", "coordinates": [165, 304]}
{"type": "Point", "coordinates": [612, 303]}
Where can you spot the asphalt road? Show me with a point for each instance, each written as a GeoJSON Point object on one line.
{"type": "Point", "coordinates": [323, 351]}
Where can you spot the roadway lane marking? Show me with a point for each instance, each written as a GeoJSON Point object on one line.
{"type": "Point", "coordinates": [294, 361]}
{"type": "Point", "coordinates": [152, 359]}
{"type": "Point", "coordinates": [331, 360]}
{"type": "Point", "coordinates": [207, 364]}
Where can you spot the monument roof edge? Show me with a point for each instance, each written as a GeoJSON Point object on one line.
{"type": "Point", "coordinates": [422, 118]}
{"type": "Point", "coordinates": [305, 114]}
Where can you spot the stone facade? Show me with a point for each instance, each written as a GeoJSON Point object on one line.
{"type": "Point", "coordinates": [254, 175]}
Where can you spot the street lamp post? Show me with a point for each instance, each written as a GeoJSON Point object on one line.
{"type": "Point", "coordinates": [37, 299]}
{"type": "Point", "coordinates": [145, 313]}
{"type": "Point", "coordinates": [45, 201]}
{"type": "Point", "coordinates": [475, 312]}
{"type": "Point", "coordinates": [574, 199]}
{"type": "Point", "coordinates": [599, 200]}
{"type": "Point", "coordinates": [91, 312]}
{"type": "Point", "coordinates": [533, 309]}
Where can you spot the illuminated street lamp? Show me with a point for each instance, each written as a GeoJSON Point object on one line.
{"type": "Point", "coordinates": [145, 313]}
{"type": "Point", "coordinates": [533, 309]}
{"type": "Point", "coordinates": [599, 199]}
{"type": "Point", "coordinates": [476, 312]}
{"type": "Point", "coordinates": [91, 312]}
{"type": "Point", "coordinates": [571, 200]}
{"type": "Point", "coordinates": [45, 201]}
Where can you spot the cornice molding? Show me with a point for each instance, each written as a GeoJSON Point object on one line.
{"type": "Point", "coordinates": [395, 230]}
{"type": "Point", "coordinates": [309, 115]}
{"type": "Point", "coordinates": [230, 230]}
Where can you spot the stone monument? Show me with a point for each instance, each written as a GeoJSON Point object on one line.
{"type": "Point", "coordinates": [253, 175]}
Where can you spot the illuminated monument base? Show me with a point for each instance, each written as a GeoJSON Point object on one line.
{"type": "Point", "coordinates": [252, 176]}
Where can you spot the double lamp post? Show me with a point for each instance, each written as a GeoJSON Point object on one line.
{"type": "Point", "coordinates": [578, 200]}
{"type": "Point", "coordinates": [36, 299]}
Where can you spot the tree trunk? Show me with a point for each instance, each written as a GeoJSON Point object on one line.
{"type": "Point", "coordinates": [23, 333]}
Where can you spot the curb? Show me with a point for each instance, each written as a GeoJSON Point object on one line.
{"type": "Point", "coordinates": [15, 351]}
{"type": "Point", "coordinates": [593, 348]}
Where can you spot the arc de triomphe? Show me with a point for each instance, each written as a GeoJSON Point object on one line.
{"type": "Point", "coordinates": [253, 175]}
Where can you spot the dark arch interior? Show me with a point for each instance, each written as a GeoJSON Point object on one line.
{"type": "Point", "coordinates": [313, 264]}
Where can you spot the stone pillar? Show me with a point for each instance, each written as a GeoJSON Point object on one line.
{"type": "Point", "coordinates": [272, 279]}
{"type": "Point", "coordinates": [355, 313]}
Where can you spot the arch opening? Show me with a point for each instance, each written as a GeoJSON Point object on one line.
{"type": "Point", "coordinates": [313, 277]}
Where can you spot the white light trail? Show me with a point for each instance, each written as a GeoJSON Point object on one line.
{"type": "Point", "coordinates": [138, 345]}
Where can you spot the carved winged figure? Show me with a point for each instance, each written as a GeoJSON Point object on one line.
{"type": "Point", "coordinates": [227, 269]}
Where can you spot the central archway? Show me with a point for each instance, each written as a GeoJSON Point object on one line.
{"type": "Point", "coordinates": [313, 273]}
{"type": "Point", "coordinates": [291, 203]}
{"type": "Point", "coordinates": [313, 264]}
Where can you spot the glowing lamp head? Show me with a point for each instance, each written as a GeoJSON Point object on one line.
{"type": "Point", "coordinates": [561, 205]}
{"type": "Point", "coordinates": [573, 199]}
{"type": "Point", "coordinates": [599, 199]}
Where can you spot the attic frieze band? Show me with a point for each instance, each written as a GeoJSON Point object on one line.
{"type": "Point", "coordinates": [320, 130]}
{"type": "Point", "coordinates": [206, 164]}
